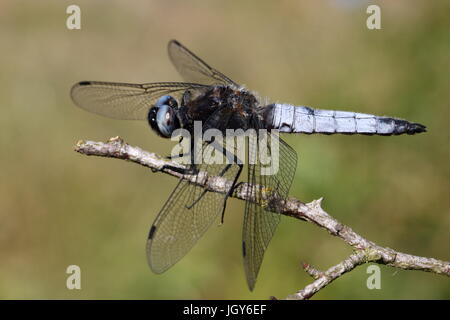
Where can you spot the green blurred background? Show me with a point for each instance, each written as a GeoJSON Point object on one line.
{"type": "Point", "coordinates": [59, 208]}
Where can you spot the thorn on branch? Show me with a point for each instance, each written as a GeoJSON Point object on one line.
{"type": "Point", "coordinates": [313, 272]}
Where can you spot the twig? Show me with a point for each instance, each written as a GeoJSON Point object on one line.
{"type": "Point", "coordinates": [325, 278]}
{"type": "Point", "coordinates": [365, 250]}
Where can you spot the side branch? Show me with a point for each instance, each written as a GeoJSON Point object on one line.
{"type": "Point", "coordinates": [365, 250]}
{"type": "Point", "coordinates": [325, 278]}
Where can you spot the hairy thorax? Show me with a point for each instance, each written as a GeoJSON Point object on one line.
{"type": "Point", "coordinates": [220, 107]}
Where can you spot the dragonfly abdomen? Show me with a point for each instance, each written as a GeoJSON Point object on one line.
{"type": "Point", "coordinates": [300, 119]}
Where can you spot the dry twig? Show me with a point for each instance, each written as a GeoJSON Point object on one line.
{"type": "Point", "coordinates": [364, 250]}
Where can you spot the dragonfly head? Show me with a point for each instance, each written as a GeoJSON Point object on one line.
{"type": "Point", "coordinates": [163, 118]}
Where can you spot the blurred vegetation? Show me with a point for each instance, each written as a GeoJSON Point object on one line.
{"type": "Point", "coordinates": [59, 208]}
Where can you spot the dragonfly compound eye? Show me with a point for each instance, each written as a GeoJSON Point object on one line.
{"type": "Point", "coordinates": [162, 116]}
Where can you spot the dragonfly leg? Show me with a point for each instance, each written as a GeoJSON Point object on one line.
{"type": "Point", "coordinates": [231, 158]}
{"type": "Point", "coordinates": [185, 171]}
{"type": "Point", "coordinates": [180, 155]}
{"type": "Point", "coordinates": [224, 170]}
{"type": "Point", "coordinates": [192, 170]}
{"type": "Point", "coordinates": [186, 98]}
{"type": "Point", "coordinates": [230, 192]}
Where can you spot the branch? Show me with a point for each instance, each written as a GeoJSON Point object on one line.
{"type": "Point", "coordinates": [364, 250]}
{"type": "Point", "coordinates": [325, 278]}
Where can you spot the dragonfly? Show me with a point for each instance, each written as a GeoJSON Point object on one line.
{"type": "Point", "coordinates": [220, 103]}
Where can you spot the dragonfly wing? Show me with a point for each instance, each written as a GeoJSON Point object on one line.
{"type": "Point", "coordinates": [125, 100]}
{"type": "Point", "coordinates": [259, 222]}
{"type": "Point", "coordinates": [189, 212]}
{"type": "Point", "coordinates": [185, 217]}
{"type": "Point", "coordinates": [194, 69]}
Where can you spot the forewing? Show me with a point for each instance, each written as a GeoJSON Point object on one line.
{"type": "Point", "coordinates": [259, 222]}
{"type": "Point", "coordinates": [125, 100]}
{"type": "Point", "coordinates": [194, 69]}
